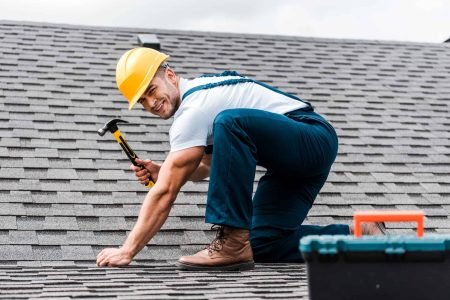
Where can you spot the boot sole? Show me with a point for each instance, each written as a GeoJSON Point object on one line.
{"type": "Point", "coordinates": [245, 266]}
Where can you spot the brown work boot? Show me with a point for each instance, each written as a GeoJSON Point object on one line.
{"type": "Point", "coordinates": [229, 251]}
{"type": "Point", "coordinates": [378, 228]}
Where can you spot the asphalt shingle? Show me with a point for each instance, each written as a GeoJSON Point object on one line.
{"type": "Point", "coordinates": [65, 192]}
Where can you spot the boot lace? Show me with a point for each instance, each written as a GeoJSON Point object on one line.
{"type": "Point", "coordinates": [217, 243]}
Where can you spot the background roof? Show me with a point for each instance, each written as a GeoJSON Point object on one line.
{"type": "Point", "coordinates": [402, 20]}
{"type": "Point", "coordinates": [66, 193]}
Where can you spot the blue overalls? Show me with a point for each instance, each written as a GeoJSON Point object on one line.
{"type": "Point", "coordinates": [297, 149]}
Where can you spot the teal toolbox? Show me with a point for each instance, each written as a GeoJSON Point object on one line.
{"type": "Point", "coordinates": [377, 267]}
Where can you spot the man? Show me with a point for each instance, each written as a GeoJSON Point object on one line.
{"type": "Point", "coordinates": [224, 126]}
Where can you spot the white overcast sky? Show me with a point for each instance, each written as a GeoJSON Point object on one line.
{"type": "Point", "coordinates": [402, 20]}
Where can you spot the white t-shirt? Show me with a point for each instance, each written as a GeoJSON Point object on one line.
{"type": "Point", "coordinates": [193, 121]}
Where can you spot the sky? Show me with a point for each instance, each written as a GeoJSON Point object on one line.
{"type": "Point", "coordinates": [400, 20]}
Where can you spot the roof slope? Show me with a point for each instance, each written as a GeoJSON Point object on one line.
{"type": "Point", "coordinates": [65, 192]}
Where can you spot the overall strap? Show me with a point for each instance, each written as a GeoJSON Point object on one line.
{"type": "Point", "coordinates": [215, 84]}
{"type": "Point", "coordinates": [223, 74]}
{"type": "Point", "coordinates": [234, 81]}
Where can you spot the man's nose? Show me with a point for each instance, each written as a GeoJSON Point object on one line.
{"type": "Point", "coordinates": [151, 101]}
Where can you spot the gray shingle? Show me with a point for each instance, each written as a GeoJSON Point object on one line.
{"type": "Point", "coordinates": [65, 192]}
{"type": "Point", "coordinates": [30, 223]}
{"type": "Point", "coordinates": [16, 252]}
{"type": "Point", "coordinates": [11, 209]}
{"type": "Point", "coordinates": [60, 223]}
{"type": "Point", "coordinates": [52, 237]}
{"type": "Point", "coordinates": [77, 253]}
{"type": "Point", "coordinates": [61, 174]}
{"type": "Point", "coordinates": [47, 252]}
{"type": "Point", "coordinates": [8, 222]}
{"type": "Point", "coordinates": [22, 237]}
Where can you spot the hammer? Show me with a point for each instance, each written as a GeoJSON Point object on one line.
{"type": "Point", "coordinates": [111, 126]}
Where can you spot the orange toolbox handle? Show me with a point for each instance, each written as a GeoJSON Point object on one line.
{"type": "Point", "coordinates": [388, 216]}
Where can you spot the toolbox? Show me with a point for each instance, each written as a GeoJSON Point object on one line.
{"type": "Point", "coordinates": [378, 267]}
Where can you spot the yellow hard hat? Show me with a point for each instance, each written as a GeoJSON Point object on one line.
{"type": "Point", "coordinates": [135, 70]}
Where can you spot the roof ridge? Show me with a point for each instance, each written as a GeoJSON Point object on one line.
{"type": "Point", "coordinates": [216, 33]}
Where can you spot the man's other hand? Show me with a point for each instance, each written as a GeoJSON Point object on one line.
{"type": "Point", "coordinates": [113, 257]}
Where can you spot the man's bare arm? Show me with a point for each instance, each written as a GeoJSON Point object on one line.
{"type": "Point", "coordinates": [174, 172]}
{"type": "Point", "coordinates": [151, 170]}
{"type": "Point", "coordinates": [202, 171]}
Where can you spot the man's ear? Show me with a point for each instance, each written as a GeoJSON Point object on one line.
{"type": "Point", "coordinates": [171, 75]}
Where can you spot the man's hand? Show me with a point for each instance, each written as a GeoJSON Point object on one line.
{"type": "Point", "coordinates": [113, 257]}
{"type": "Point", "coordinates": [150, 170]}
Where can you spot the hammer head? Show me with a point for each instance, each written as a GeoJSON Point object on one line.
{"type": "Point", "coordinates": [110, 126]}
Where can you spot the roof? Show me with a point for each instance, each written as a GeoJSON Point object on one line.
{"type": "Point", "coordinates": [66, 193]}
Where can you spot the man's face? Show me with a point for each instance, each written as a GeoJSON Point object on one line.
{"type": "Point", "coordinates": [162, 97]}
